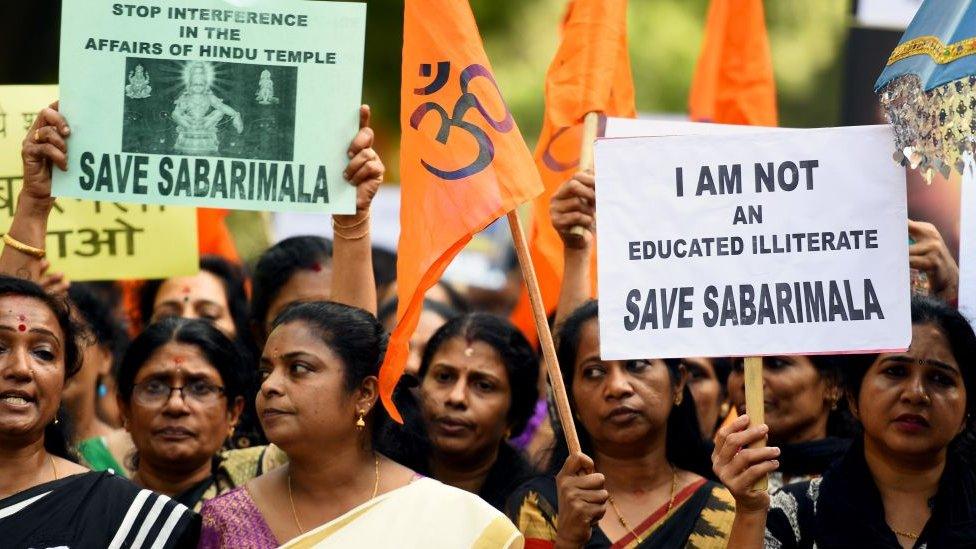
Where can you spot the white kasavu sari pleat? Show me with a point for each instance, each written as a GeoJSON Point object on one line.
{"type": "Point", "coordinates": [422, 514]}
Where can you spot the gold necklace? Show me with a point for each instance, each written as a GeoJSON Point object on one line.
{"type": "Point", "coordinates": [291, 499]}
{"type": "Point", "coordinates": [53, 467]}
{"type": "Point", "coordinates": [909, 535]}
{"type": "Point", "coordinates": [620, 517]}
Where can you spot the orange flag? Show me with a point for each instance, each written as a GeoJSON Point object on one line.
{"type": "Point", "coordinates": [733, 81]}
{"type": "Point", "coordinates": [590, 73]}
{"type": "Point", "coordinates": [463, 162]}
{"type": "Point", "coordinates": [213, 236]}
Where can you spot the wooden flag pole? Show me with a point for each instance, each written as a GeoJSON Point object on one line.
{"type": "Point", "coordinates": [545, 335]}
{"type": "Point", "coordinates": [591, 124]}
{"type": "Point", "coordinates": [754, 405]}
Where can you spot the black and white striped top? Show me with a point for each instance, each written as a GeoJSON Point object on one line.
{"type": "Point", "coordinates": [96, 509]}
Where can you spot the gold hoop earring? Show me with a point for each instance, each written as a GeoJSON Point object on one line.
{"type": "Point", "coordinates": [361, 422]}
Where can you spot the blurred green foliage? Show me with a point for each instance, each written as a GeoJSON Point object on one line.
{"type": "Point", "coordinates": [807, 40]}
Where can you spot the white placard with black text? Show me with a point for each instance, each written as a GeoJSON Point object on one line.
{"type": "Point", "coordinates": [752, 244]}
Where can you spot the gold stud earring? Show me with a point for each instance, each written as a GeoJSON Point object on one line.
{"type": "Point", "coordinates": [678, 399]}
{"type": "Point", "coordinates": [361, 422]}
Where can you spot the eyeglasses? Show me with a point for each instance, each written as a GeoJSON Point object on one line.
{"type": "Point", "coordinates": [155, 392]}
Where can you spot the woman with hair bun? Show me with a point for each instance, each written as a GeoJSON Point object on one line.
{"type": "Point", "coordinates": [318, 403]}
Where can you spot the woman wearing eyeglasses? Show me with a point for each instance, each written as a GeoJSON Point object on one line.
{"type": "Point", "coordinates": [181, 395]}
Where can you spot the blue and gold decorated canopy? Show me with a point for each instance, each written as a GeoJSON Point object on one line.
{"type": "Point", "coordinates": [928, 88]}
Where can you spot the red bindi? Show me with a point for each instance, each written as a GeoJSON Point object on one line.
{"type": "Point", "coordinates": [186, 289]}
{"type": "Point", "coordinates": [317, 267]}
{"type": "Point", "coordinates": [178, 360]}
{"type": "Point", "coordinates": [22, 327]}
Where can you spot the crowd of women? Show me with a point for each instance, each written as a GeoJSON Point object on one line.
{"type": "Point", "coordinates": [242, 411]}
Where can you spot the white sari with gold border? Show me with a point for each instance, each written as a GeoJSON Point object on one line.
{"type": "Point", "coordinates": [422, 514]}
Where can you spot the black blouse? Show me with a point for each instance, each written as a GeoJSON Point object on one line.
{"type": "Point", "coordinates": [843, 508]}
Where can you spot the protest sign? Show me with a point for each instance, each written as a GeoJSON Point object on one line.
{"type": "Point", "coordinates": [212, 102]}
{"type": "Point", "coordinates": [93, 240]}
{"type": "Point", "coordinates": [788, 242]}
{"type": "Point", "coordinates": [643, 127]}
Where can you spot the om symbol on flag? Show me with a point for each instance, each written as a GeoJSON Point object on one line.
{"type": "Point", "coordinates": [572, 139]}
{"type": "Point", "coordinates": [467, 101]}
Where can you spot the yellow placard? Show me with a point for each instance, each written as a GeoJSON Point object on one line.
{"type": "Point", "coordinates": [89, 240]}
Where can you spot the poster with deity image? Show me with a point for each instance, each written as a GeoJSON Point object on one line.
{"type": "Point", "coordinates": [212, 103]}
{"type": "Point", "coordinates": [182, 118]}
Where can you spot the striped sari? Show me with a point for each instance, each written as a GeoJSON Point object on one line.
{"type": "Point", "coordinates": [95, 509]}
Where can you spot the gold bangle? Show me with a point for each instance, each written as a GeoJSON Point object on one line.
{"type": "Point", "coordinates": [335, 224]}
{"type": "Point", "coordinates": [39, 253]}
{"type": "Point", "coordinates": [344, 236]}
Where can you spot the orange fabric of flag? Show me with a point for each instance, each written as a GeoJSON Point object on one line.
{"type": "Point", "coordinates": [213, 236]}
{"type": "Point", "coordinates": [463, 162]}
{"type": "Point", "coordinates": [733, 82]}
{"type": "Point", "coordinates": [590, 73]}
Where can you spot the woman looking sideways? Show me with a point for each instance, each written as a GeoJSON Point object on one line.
{"type": "Point", "coordinates": [318, 403]}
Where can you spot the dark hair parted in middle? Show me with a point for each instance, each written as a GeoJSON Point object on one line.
{"type": "Point", "coordinates": [351, 333]}
{"type": "Point", "coordinates": [224, 355]}
{"type": "Point", "coordinates": [685, 446]}
{"type": "Point", "coordinates": [56, 438]}
{"type": "Point", "coordinates": [518, 357]}
{"type": "Point", "coordinates": [232, 278]}
{"type": "Point", "coordinates": [962, 343]}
